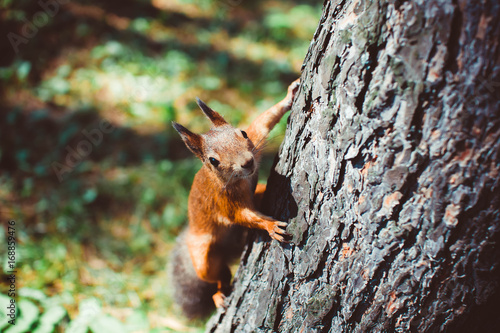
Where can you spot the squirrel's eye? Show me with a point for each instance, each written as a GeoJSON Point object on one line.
{"type": "Point", "coordinates": [214, 162]}
{"type": "Point", "coordinates": [244, 134]}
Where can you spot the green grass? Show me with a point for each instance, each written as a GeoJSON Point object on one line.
{"type": "Point", "coordinates": [92, 249]}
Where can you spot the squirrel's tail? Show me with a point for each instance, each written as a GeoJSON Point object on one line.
{"type": "Point", "coordinates": [193, 295]}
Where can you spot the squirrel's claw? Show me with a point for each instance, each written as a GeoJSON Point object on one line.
{"type": "Point", "coordinates": [278, 231]}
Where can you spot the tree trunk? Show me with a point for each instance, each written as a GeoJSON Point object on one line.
{"type": "Point", "coordinates": [388, 176]}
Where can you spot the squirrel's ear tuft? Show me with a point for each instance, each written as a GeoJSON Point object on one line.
{"type": "Point", "coordinates": [214, 116]}
{"type": "Point", "coordinates": [179, 128]}
{"type": "Point", "coordinates": [193, 141]}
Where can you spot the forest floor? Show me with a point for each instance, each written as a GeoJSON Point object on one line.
{"type": "Point", "coordinates": [91, 171]}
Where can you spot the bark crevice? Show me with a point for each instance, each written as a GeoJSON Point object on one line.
{"type": "Point", "coordinates": [373, 51]}
{"type": "Point", "coordinates": [453, 44]}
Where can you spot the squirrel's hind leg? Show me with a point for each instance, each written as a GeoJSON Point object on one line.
{"type": "Point", "coordinates": [210, 266]}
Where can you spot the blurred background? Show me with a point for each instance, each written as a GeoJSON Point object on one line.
{"type": "Point", "coordinates": [90, 168]}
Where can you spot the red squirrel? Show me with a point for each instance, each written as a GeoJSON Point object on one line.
{"type": "Point", "coordinates": [223, 195]}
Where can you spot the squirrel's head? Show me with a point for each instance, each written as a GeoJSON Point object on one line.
{"type": "Point", "coordinates": [224, 149]}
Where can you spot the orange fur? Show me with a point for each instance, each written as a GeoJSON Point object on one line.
{"type": "Point", "coordinates": [225, 191]}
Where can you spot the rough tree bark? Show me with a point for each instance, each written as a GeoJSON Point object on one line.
{"type": "Point", "coordinates": [388, 175]}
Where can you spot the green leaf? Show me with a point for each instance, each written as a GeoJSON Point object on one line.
{"type": "Point", "coordinates": [50, 319]}
{"type": "Point", "coordinates": [89, 309]}
{"type": "Point", "coordinates": [28, 313]}
{"type": "Point", "coordinates": [32, 293]}
{"type": "Point", "coordinates": [105, 324]}
{"type": "Point", "coordinates": [210, 83]}
{"type": "Point", "coordinates": [148, 196]}
{"type": "Point", "coordinates": [4, 301]}
{"type": "Point", "coordinates": [140, 24]}
{"type": "Point", "coordinates": [64, 71]}
{"type": "Point", "coordinates": [90, 195]}
{"type": "Point", "coordinates": [138, 321]}
{"type": "Point", "coordinates": [23, 70]}
{"type": "Point", "coordinates": [58, 85]}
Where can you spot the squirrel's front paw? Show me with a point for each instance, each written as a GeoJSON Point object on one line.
{"type": "Point", "coordinates": [219, 300]}
{"type": "Point", "coordinates": [278, 231]}
{"type": "Point", "coordinates": [292, 90]}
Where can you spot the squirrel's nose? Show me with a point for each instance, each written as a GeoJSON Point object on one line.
{"type": "Point", "coordinates": [248, 164]}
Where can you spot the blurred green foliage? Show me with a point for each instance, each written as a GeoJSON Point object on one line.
{"type": "Point", "coordinates": [93, 238]}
